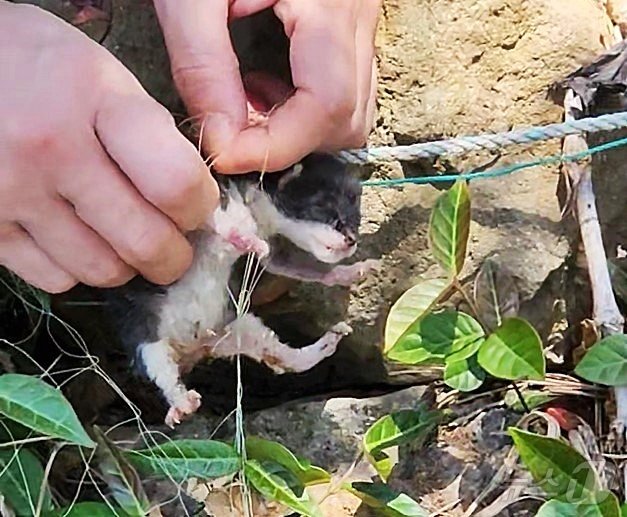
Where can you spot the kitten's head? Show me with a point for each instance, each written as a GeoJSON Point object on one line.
{"type": "Point", "coordinates": [318, 206]}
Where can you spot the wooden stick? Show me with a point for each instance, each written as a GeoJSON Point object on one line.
{"type": "Point", "coordinates": [606, 314]}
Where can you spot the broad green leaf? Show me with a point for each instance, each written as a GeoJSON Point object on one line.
{"type": "Point", "coordinates": [556, 467]}
{"type": "Point", "coordinates": [603, 504]}
{"type": "Point", "coordinates": [386, 500]}
{"type": "Point", "coordinates": [618, 274]}
{"type": "Point", "coordinates": [435, 336]}
{"type": "Point", "coordinates": [264, 450]}
{"type": "Point", "coordinates": [464, 353]}
{"type": "Point", "coordinates": [606, 362]}
{"type": "Point", "coordinates": [398, 428]}
{"type": "Point", "coordinates": [90, 509]}
{"type": "Point", "coordinates": [533, 399]}
{"type": "Point", "coordinates": [383, 463]}
{"type": "Point", "coordinates": [183, 459]}
{"type": "Point", "coordinates": [496, 295]}
{"type": "Point", "coordinates": [21, 481]}
{"type": "Point", "coordinates": [606, 504]}
{"type": "Point", "coordinates": [623, 510]}
{"type": "Point", "coordinates": [37, 405]}
{"type": "Point", "coordinates": [123, 482]}
{"type": "Point", "coordinates": [274, 488]}
{"type": "Point", "coordinates": [411, 306]}
{"type": "Point", "coordinates": [449, 227]}
{"type": "Point", "coordinates": [464, 375]}
{"type": "Point", "coordinates": [276, 469]}
{"type": "Point", "coordinates": [555, 508]}
{"type": "Point", "coordinates": [513, 351]}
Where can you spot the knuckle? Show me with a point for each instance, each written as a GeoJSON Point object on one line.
{"type": "Point", "coordinates": [341, 108]}
{"type": "Point", "coordinates": [10, 232]}
{"type": "Point", "coordinates": [187, 182]}
{"type": "Point", "coordinates": [152, 243]}
{"type": "Point", "coordinates": [358, 137]}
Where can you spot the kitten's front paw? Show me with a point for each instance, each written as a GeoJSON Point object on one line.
{"type": "Point", "coordinates": [248, 243]}
{"type": "Point", "coordinates": [348, 275]}
{"type": "Point", "coordinates": [188, 405]}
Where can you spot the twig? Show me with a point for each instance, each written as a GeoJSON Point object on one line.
{"type": "Point", "coordinates": [606, 313]}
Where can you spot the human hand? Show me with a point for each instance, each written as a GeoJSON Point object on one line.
{"type": "Point", "coordinates": [96, 183]}
{"type": "Point", "coordinates": [333, 70]}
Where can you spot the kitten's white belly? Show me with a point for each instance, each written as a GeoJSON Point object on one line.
{"type": "Point", "coordinates": [197, 304]}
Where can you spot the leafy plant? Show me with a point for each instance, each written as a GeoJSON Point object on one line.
{"type": "Point", "coordinates": [266, 450]}
{"type": "Point", "coordinates": [388, 502]}
{"type": "Point", "coordinates": [606, 362]}
{"type": "Point", "coordinates": [22, 481]}
{"type": "Point", "coordinates": [396, 429]}
{"type": "Point", "coordinates": [449, 228]}
{"type": "Point", "coordinates": [565, 476]}
{"type": "Point", "coordinates": [493, 339]}
{"type": "Point", "coordinates": [38, 406]}
{"type": "Point", "coordinates": [184, 459]}
{"type": "Point", "coordinates": [275, 488]}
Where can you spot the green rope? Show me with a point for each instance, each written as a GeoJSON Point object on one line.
{"type": "Point", "coordinates": [501, 171]}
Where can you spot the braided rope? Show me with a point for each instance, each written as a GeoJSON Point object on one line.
{"type": "Point", "coordinates": [461, 145]}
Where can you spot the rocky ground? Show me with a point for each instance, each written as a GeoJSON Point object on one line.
{"type": "Point", "coordinates": [446, 68]}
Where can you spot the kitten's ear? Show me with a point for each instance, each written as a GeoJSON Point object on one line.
{"type": "Point", "coordinates": [295, 171]}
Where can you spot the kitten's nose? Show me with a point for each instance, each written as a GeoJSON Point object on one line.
{"type": "Point", "coordinates": [350, 239]}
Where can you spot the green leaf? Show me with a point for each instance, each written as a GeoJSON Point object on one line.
{"type": "Point", "coordinates": [276, 469]}
{"type": "Point", "coordinates": [618, 275]}
{"type": "Point", "coordinates": [183, 459]}
{"type": "Point", "coordinates": [411, 306]}
{"type": "Point", "coordinates": [123, 482]}
{"type": "Point", "coordinates": [603, 504]}
{"type": "Point", "coordinates": [276, 489]}
{"type": "Point", "coordinates": [449, 228]}
{"type": "Point", "coordinates": [623, 510]}
{"type": "Point", "coordinates": [513, 351]}
{"type": "Point", "coordinates": [464, 375]}
{"type": "Point", "coordinates": [37, 405]}
{"type": "Point", "coordinates": [606, 362]}
{"type": "Point", "coordinates": [264, 450]}
{"type": "Point", "coordinates": [90, 509]}
{"type": "Point", "coordinates": [555, 508]}
{"type": "Point", "coordinates": [496, 295]}
{"type": "Point", "coordinates": [556, 467]}
{"type": "Point", "coordinates": [436, 336]}
{"type": "Point", "coordinates": [21, 481]}
{"type": "Point", "coordinates": [533, 399]}
{"type": "Point", "coordinates": [398, 428]}
{"type": "Point", "coordinates": [386, 500]}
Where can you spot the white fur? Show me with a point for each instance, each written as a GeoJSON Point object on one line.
{"type": "Point", "coordinates": [323, 242]}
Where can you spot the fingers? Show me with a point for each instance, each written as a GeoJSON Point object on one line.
{"type": "Point", "coordinates": [323, 60]}
{"type": "Point", "coordinates": [142, 236]}
{"type": "Point", "coordinates": [363, 117]}
{"type": "Point", "coordinates": [140, 136]}
{"type": "Point", "coordinates": [204, 65]}
{"type": "Point", "coordinates": [20, 254]}
{"type": "Point", "coordinates": [75, 247]}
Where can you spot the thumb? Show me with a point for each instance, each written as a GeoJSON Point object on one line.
{"type": "Point", "coordinates": [204, 66]}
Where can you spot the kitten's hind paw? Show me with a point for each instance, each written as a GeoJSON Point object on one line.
{"type": "Point", "coordinates": [188, 405]}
